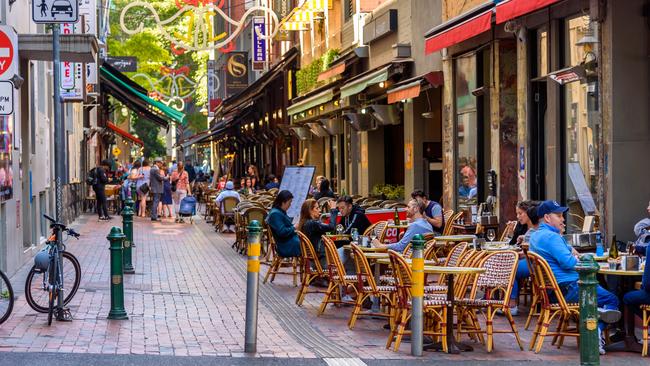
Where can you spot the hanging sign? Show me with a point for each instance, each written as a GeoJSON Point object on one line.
{"type": "Point", "coordinates": [55, 11]}
{"type": "Point", "coordinates": [259, 43]}
{"type": "Point", "coordinates": [8, 52]}
{"type": "Point", "coordinates": [6, 98]}
{"type": "Point", "coordinates": [236, 72]}
{"type": "Point", "coordinates": [213, 87]}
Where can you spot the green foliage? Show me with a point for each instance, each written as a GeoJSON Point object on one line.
{"type": "Point", "coordinates": [148, 132]}
{"type": "Point", "coordinates": [196, 122]}
{"type": "Point", "coordinates": [307, 77]}
{"type": "Point", "coordinates": [389, 191]}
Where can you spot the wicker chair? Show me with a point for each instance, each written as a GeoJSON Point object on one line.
{"type": "Point", "coordinates": [280, 262]}
{"type": "Point", "coordinates": [367, 287]}
{"type": "Point", "coordinates": [534, 296]}
{"type": "Point", "coordinates": [225, 211]}
{"type": "Point", "coordinates": [311, 268]}
{"type": "Point", "coordinates": [548, 290]}
{"type": "Point", "coordinates": [449, 223]}
{"type": "Point", "coordinates": [378, 229]}
{"type": "Point", "coordinates": [496, 283]}
{"type": "Point", "coordinates": [453, 257]}
{"type": "Point", "coordinates": [338, 279]}
{"type": "Point", "coordinates": [435, 307]}
{"type": "Point", "coordinates": [247, 215]}
{"type": "Point", "coordinates": [508, 231]}
{"type": "Point", "coordinates": [646, 324]}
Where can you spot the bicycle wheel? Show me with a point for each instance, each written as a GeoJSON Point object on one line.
{"type": "Point", "coordinates": [6, 298]}
{"type": "Point", "coordinates": [52, 295]}
{"type": "Point", "coordinates": [37, 284]}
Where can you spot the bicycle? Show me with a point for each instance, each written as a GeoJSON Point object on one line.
{"type": "Point", "coordinates": [6, 297]}
{"type": "Point", "coordinates": [45, 282]}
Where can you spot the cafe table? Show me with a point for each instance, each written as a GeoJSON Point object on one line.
{"type": "Point", "coordinates": [366, 249]}
{"type": "Point", "coordinates": [454, 238]}
{"type": "Point", "coordinates": [629, 343]}
{"type": "Point", "coordinates": [452, 345]}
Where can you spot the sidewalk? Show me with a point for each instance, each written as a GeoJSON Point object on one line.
{"type": "Point", "coordinates": [187, 298]}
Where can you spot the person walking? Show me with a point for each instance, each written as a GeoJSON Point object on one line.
{"type": "Point", "coordinates": [167, 201]}
{"type": "Point", "coordinates": [143, 188]}
{"type": "Point", "coordinates": [156, 182]}
{"type": "Point", "coordinates": [99, 186]}
{"type": "Point", "coordinates": [180, 179]}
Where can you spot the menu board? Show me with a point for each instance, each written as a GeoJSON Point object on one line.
{"type": "Point", "coordinates": [297, 180]}
{"type": "Point", "coordinates": [580, 184]}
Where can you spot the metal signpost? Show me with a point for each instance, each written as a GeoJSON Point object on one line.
{"type": "Point", "coordinates": [55, 12]}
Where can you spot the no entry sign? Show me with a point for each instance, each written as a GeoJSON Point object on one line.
{"type": "Point", "coordinates": [8, 52]}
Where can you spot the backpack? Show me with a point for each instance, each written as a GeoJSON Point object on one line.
{"type": "Point", "coordinates": [91, 179]}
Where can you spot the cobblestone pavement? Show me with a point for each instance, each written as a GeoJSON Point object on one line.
{"type": "Point", "coordinates": [187, 298]}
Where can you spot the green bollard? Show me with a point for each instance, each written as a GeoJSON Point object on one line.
{"type": "Point", "coordinates": [117, 284]}
{"type": "Point", "coordinates": [417, 296]}
{"type": "Point", "coordinates": [127, 224]}
{"type": "Point", "coordinates": [587, 269]}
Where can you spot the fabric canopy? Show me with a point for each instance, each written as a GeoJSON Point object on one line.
{"type": "Point", "coordinates": [311, 102]}
{"type": "Point", "coordinates": [358, 85]}
{"type": "Point", "coordinates": [159, 107]}
{"type": "Point", "coordinates": [403, 92]}
{"type": "Point", "coordinates": [332, 71]}
{"type": "Point", "coordinates": [511, 9]}
{"type": "Point", "coordinates": [458, 33]}
{"type": "Point", "coordinates": [124, 134]}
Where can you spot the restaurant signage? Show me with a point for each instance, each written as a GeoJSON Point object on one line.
{"type": "Point", "coordinates": [236, 72]}
{"type": "Point", "coordinates": [213, 88]}
{"type": "Point", "coordinates": [259, 43]}
{"type": "Point", "coordinates": [123, 64]}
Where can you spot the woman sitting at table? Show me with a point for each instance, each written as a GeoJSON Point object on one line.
{"type": "Point", "coordinates": [527, 224]}
{"type": "Point", "coordinates": [417, 225]}
{"type": "Point", "coordinates": [287, 243]}
{"type": "Point", "coordinates": [310, 223]}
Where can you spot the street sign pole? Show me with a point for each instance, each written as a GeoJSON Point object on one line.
{"type": "Point", "coordinates": [59, 137]}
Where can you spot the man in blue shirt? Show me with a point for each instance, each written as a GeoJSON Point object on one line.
{"type": "Point", "coordinates": [417, 225]}
{"type": "Point", "coordinates": [548, 242]}
{"type": "Point", "coordinates": [432, 211]}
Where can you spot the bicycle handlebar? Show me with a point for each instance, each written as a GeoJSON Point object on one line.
{"type": "Point", "coordinates": [70, 231]}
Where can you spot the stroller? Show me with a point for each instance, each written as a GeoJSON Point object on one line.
{"type": "Point", "coordinates": [187, 208]}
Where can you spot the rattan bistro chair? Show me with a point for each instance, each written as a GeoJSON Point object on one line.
{"type": "Point", "coordinates": [646, 324]}
{"type": "Point", "coordinates": [367, 287]}
{"type": "Point", "coordinates": [338, 279]}
{"type": "Point", "coordinates": [280, 262]}
{"type": "Point", "coordinates": [225, 211]}
{"type": "Point", "coordinates": [553, 305]}
{"type": "Point", "coordinates": [378, 229]}
{"type": "Point", "coordinates": [311, 268]}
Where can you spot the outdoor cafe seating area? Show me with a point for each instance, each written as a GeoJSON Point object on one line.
{"type": "Point", "coordinates": [468, 279]}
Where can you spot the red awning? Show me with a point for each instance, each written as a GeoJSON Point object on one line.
{"type": "Point", "coordinates": [465, 30]}
{"type": "Point", "coordinates": [407, 91]}
{"type": "Point", "coordinates": [511, 9]}
{"type": "Point", "coordinates": [124, 134]}
{"type": "Point", "coordinates": [332, 71]}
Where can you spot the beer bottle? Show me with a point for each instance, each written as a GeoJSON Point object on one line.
{"type": "Point", "coordinates": [396, 217]}
{"type": "Point", "coordinates": [613, 249]}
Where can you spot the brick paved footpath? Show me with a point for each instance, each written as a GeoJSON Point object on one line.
{"type": "Point", "coordinates": [187, 298]}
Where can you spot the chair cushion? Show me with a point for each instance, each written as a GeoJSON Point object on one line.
{"type": "Point", "coordinates": [380, 288]}
{"type": "Point", "coordinates": [435, 288]}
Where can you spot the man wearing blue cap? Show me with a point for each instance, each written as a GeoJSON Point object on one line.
{"type": "Point", "coordinates": [548, 242]}
{"type": "Point", "coordinates": [229, 191]}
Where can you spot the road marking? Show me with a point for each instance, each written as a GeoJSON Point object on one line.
{"type": "Point", "coordinates": [344, 362]}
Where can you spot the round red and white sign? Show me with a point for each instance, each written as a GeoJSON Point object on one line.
{"type": "Point", "coordinates": [6, 53]}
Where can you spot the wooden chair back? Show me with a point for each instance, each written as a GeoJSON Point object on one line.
{"type": "Point", "coordinates": [455, 254]}
{"type": "Point", "coordinates": [449, 223]}
{"type": "Point", "coordinates": [545, 282]}
{"type": "Point", "coordinates": [309, 255]}
{"type": "Point", "coordinates": [379, 230]}
{"type": "Point", "coordinates": [403, 277]}
{"type": "Point", "coordinates": [228, 205]}
{"type": "Point", "coordinates": [508, 231]}
{"type": "Point", "coordinates": [499, 276]}
{"type": "Point", "coordinates": [430, 250]}
{"type": "Point", "coordinates": [335, 268]}
{"type": "Point", "coordinates": [364, 271]}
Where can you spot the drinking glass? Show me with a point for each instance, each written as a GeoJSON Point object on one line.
{"type": "Point", "coordinates": [339, 229]}
{"type": "Point", "coordinates": [491, 235]}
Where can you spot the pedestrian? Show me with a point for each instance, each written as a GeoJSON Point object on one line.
{"type": "Point", "coordinates": [98, 175]}
{"type": "Point", "coordinates": [180, 188]}
{"type": "Point", "coordinates": [156, 182]}
{"type": "Point", "coordinates": [324, 190]}
{"type": "Point", "coordinates": [191, 172]}
{"type": "Point", "coordinates": [167, 201]}
{"type": "Point", "coordinates": [142, 187]}
{"type": "Point", "coordinates": [287, 243]}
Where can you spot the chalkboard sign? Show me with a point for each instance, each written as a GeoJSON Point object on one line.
{"type": "Point", "coordinates": [297, 180]}
{"type": "Point", "coordinates": [580, 184]}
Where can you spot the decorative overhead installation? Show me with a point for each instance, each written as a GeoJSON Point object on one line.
{"type": "Point", "coordinates": [199, 15]}
{"type": "Point", "coordinates": [175, 87]}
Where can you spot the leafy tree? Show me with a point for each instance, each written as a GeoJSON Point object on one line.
{"type": "Point", "coordinates": [147, 131]}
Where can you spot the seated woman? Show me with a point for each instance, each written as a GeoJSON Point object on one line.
{"type": "Point", "coordinates": [527, 224]}
{"type": "Point", "coordinates": [313, 228]}
{"type": "Point", "coordinates": [286, 239]}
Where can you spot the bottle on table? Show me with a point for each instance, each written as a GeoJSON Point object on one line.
{"type": "Point", "coordinates": [355, 235]}
{"type": "Point", "coordinates": [396, 217]}
{"type": "Point", "coordinates": [613, 248]}
{"type": "Point", "coordinates": [599, 245]}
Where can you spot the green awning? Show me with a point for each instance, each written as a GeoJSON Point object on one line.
{"type": "Point", "coordinates": [311, 102]}
{"type": "Point", "coordinates": [159, 106]}
{"type": "Point", "coordinates": [357, 86]}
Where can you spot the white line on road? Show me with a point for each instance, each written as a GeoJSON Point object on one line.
{"type": "Point", "coordinates": [344, 362]}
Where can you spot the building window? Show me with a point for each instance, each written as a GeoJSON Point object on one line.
{"type": "Point", "coordinates": [466, 130]}
{"type": "Point", "coordinates": [582, 128]}
{"type": "Point", "coordinates": [348, 9]}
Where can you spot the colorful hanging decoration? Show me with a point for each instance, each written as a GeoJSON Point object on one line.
{"type": "Point", "coordinates": [199, 16]}
{"type": "Point", "coordinates": [175, 87]}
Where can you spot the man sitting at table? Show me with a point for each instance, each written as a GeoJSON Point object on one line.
{"type": "Point", "coordinates": [432, 211]}
{"type": "Point", "coordinates": [352, 216]}
{"type": "Point", "coordinates": [548, 242]}
{"type": "Point", "coordinates": [418, 224]}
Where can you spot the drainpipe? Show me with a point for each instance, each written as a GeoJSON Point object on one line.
{"type": "Point", "coordinates": [3, 12]}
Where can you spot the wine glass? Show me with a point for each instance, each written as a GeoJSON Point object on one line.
{"type": "Point", "coordinates": [491, 235]}
{"type": "Point", "coordinates": [339, 229]}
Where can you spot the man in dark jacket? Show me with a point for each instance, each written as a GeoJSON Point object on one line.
{"type": "Point", "coordinates": [191, 173]}
{"type": "Point", "coordinates": [352, 216]}
{"type": "Point", "coordinates": [99, 186]}
{"type": "Point", "coordinates": [156, 184]}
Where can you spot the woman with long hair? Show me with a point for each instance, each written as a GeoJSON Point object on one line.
{"type": "Point", "coordinates": [284, 233]}
{"type": "Point", "coordinates": [310, 224]}
{"type": "Point", "coordinates": [527, 223]}
{"type": "Point", "coordinates": [142, 187]}
{"type": "Point", "coordinates": [181, 179]}
{"type": "Point", "coordinates": [167, 200]}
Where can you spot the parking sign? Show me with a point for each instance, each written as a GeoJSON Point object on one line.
{"type": "Point", "coordinates": [55, 11]}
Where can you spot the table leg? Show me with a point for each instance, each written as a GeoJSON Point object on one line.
{"type": "Point", "coordinates": [375, 300]}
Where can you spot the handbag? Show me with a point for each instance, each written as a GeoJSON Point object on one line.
{"type": "Point", "coordinates": [174, 185]}
{"type": "Point", "coordinates": [144, 188]}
